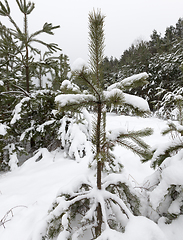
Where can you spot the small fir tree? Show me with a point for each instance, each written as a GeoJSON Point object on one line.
{"type": "Point", "coordinates": [31, 126]}
{"type": "Point", "coordinates": [59, 70]}
{"type": "Point", "coordinates": [25, 39]}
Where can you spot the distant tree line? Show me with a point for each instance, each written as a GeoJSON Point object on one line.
{"type": "Point", "coordinates": [161, 57]}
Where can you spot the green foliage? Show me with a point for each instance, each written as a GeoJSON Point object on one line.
{"type": "Point", "coordinates": [5, 9]}
{"type": "Point", "coordinates": [21, 41]}
{"type": "Point", "coordinates": [73, 214]}
{"type": "Point", "coordinates": [33, 125]}
{"type": "Point", "coordinates": [169, 149]}
{"type": "Point", "coordinates": [96, 45]}
{"type": "Point", "coordinates": [132, 140]}
{"type": "Point", "coordinates": [174, 194]}
{"type": "Point", "coordinates": [9, 68]}
{"type": "Point", "coordinates": [167, 162]}
{"type": "Point", "coordinates": [59, 70]}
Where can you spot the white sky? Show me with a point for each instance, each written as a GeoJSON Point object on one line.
{"type": "Point", "coordinates": [126, 21]}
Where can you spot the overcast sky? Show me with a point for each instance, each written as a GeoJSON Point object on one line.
{"type": "Point", "coordinates": [126, 21]}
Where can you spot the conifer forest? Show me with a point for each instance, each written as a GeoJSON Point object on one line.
{"type": "Point", "coordinates": [92, 151]}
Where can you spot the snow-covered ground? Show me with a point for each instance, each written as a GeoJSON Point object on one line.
{"type": "Point", "coordinates": [27, 193]}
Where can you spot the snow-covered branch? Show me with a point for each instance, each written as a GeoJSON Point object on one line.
{"type": "Point", "coordinates": [74, 99]}
{"type": "Point", "coordinates": [130, 82]}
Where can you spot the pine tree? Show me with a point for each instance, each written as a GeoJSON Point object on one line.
{"type": "Point", "coordinates": [179, 29]}
{"type": "Point", "coordinates": [93, 205]}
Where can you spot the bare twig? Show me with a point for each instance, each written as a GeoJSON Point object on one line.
{"type": "Point", "coordinates": [8, 216]}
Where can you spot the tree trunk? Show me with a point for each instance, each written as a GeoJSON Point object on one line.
{"type": "Point", "coordinates": [7, 74]}
{"type": "Point", "coordinates": [27, 77]}
{"type": "Point", "coordinates": [99, 169]}
{"type": "Point", "coordinates": [98, 229]}
{"type": "Point", "coordinates": [27, 53]}
{"type": "Point", "coordinates": [40, 77]}
{"type": "Point", "coordinates": [98, 143]}
{"type": "Point", "coordinates": [27, 65]}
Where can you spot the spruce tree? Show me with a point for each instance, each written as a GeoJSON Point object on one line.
{"type": "Point", "coordinates": [59, 69]}
{"type": "Point", "coordinates": [23, 37]}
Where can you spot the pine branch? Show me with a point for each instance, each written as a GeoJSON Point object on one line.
{"type": "Point", "coordinates": [121, 133]}
{"type": "Point", "coordinates": [47, 28]}
{"type": "Point", "coordinates": [82, 75]}
{"type": "Point", "coordinates": [114, 98]}
{"type": "Point", "coordinates": [5, 9]}
{"type": "Point", "coordinates": [173, 128]}
{"type": "Point", "coordinates": [135, 136]}
{"type": "Point", "coordinates": [134, 148]}
{"type": "Point", "coordinates": [51, 46]}
{"type": "Point", "coordinates": [169, 151]}
{"type": "Point", "coordinates": [12, 92]}
{"type": "Point", "coordinates": [25, 8]}
{"type": "Point", "coordinates": [131, 82]}
{"type": "Point", "coordinates": [22, 90]}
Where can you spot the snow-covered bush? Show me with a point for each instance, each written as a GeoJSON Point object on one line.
{"type": "Point", "coordinates": [165, 186]}
{"type": "Point", "coordinates": [7, 103]}
{"type": "Point", "coordinates": [3, 132]}
{"type": "Point", "coordinates": [171, 106]}
{"type": "Point", "coordinates": [36, 123]}
{"type": "Point", "coordinates": [74, 134]}
{"type": "Point", "coordinates": [73, 214]}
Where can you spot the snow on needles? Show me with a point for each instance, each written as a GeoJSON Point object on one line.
{"type": "Point", "coordinates": [137, 102]}
{"type": "Point", "coordinates": [1, 83]}
{"type": "Point", "coordinates": [129, 99]}
{"type": "Point", "coordinates": [75, 99]}
{"type": "Point", "coordinates": [78, 64]}
{"type": "Point", "coordinates": [129, 81]}
{"type": "Point", "coordinates": [17, 110]}
{"type": "Point", "coordinates": [3, 129]}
